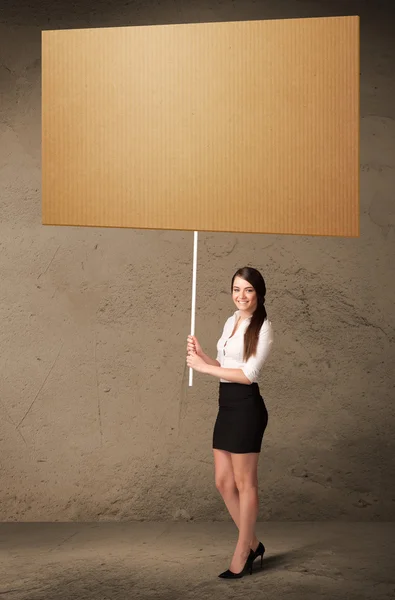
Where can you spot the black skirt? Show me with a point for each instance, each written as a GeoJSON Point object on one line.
{"type": "Point", "coordinates": [242, 418]}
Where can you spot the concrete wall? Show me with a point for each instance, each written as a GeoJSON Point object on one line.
{"type": "Point", "coordinates": [97, 421]}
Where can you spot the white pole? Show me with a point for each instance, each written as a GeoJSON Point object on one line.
{"type": "Point", "coordinates": [195, 244]}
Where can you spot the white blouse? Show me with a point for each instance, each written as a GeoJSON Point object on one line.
{"type": "Point", "coordinates": [230, 350]}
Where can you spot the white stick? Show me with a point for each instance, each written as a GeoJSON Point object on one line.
{"type": "Point", "coordinates": [195, 244]}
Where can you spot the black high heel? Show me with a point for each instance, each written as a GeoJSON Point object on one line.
{"type": "Point", "coordinates": [260, 551]}
{"type": "Point", "coordinates": [247, 568]}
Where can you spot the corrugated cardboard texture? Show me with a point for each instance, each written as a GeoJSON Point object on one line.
{"type": "Point", "coordinates": [240, 127]}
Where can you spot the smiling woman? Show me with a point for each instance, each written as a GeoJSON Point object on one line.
{"type": "Point", "coordinates": [242, 416]}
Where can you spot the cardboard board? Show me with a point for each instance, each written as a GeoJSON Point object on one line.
{"type": "Point", "coordinates": [239, 126]}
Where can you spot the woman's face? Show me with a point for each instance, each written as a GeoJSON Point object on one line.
{"type": "Point", "coordinates": [244, 296]}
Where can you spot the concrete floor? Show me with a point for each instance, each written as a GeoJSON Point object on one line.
{"type": "Point", "coordinates": [181, 560]}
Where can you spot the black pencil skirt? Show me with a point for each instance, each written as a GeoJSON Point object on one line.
{"type": "Point", "coordinates": [242, 418]}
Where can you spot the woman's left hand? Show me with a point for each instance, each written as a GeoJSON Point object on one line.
{"type": "Point", "coordinates": [196, 363]}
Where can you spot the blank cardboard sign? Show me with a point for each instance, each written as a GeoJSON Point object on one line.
{"type": "Point", "coordinates": [239, 126]}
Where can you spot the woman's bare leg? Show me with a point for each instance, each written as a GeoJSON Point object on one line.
{"type": "Point", "coordinates": [245, 467]}
{"type": "Point", "coordinates": [225, 483]}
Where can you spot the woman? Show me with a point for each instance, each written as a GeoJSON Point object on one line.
{"type": "Point", "coordinates": [242, 416]}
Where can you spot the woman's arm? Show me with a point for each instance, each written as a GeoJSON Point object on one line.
{"type": "Point", "coordinates": [250, 371]}
{"type": "Point", "coordinates": [193, 347]}
{"type": "Point", "coordinates": [233, 375]}
{"type": "Point", "coordinates": [210, 361]}
{"type": "Point", "coordinates": [254, 364]}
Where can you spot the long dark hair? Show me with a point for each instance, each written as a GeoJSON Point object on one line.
{"type": "Point", "coordinates": [252, 333]}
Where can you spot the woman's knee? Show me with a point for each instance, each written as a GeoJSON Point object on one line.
{"type": "Point", "coordinates": [225, 484]}
{"type": "Point", "coordinates": [244, 484]}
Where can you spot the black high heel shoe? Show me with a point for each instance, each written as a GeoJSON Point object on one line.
{"type": "Point", "coordinates": [247, 568]}
{"type": "Point", "coordinates": [260, 551]}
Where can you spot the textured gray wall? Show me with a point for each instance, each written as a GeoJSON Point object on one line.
{"type": "Point", "coordinates": [97, 421]}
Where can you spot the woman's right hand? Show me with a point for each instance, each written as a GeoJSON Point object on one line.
{"type": "Point", "coordinates": [194, 346]}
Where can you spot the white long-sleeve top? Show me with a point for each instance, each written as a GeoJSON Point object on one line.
{"type": "Point", "coordinates": [230, 350]}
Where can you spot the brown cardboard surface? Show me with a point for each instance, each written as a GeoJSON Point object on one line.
{"type": "Point", "coordinates": [246, 126]}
